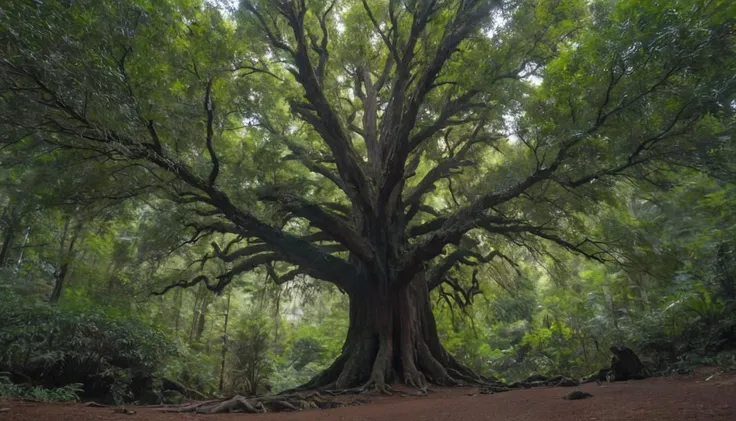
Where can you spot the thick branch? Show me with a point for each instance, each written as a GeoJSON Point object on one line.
{"type": "Point", "coordinates": [292, 249]}
{"type": "Point", "coordinates": [303, 156]}
{"type": "Point", "coordinates": [224, 279]}
{"type": "Point", "coordinates": [437, 275]}
{"type": "Point", "coordinates": [451, 109]}
{"type": "Point", "coordinates": [319, 114]}
{"type": "Point", "coordinates": [402, 117]}
{"type": "Point", "coordinates": [336, 227]}
{"type": "Point", "coordinates": [209, 108]}
{"type": "Point", "coordinates": [462, 221]}
{"type": "Point", "coordinates": [443, 169]}
{"type": "Point", "coordinates": [282, 279]}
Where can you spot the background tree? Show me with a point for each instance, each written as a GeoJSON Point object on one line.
{"type": "Point", "coordinates": [314, 135]}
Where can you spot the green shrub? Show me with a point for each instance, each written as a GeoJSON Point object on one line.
{"type": "Point", "coordinates": [252, 359]}
{"type": "Point", "coordinates": [9, 390]}
{"type": "Point", "coordinates": [55, 347]}
{"type": "Point", "coordinates": [195, 367]}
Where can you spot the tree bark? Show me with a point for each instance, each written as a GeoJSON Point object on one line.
{"type": "Point", "coordinates": [8, 237]}
{"type": "Point", "coordinates": [59, 278]}
{"type": "Point", "coordinates": [392, 337]}
{"type": "Point", "coordinates": [177, 303]}
{"type": "Point", "coordinates": [65, 257]}
{"type": "Point", "coordinates": [202, 319]}
{"type": "Point", "coordinates": [10, 221]}
{"type": "Point", "coordinates": [223, 355]}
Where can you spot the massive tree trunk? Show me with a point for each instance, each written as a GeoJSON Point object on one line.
{"type": "Point", "coordinates": [392, 337]}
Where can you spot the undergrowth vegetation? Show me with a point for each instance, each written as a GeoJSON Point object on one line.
{"type": "Point", "coordinates": [10, 390]}
{"type": "Point", "coordinates": [58, 352]}
{"type": "Point", "coordinates": [53, 347]}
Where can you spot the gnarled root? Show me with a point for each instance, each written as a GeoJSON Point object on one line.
{"type": "Point", "coordinates": [278, 403]}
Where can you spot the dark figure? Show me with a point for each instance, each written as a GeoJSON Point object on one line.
{"type": "Point", "coordinates": [625, 365]}
{"type": "Point", "coordinates": [573, 396]}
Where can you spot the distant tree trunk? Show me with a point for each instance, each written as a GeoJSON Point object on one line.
{"type": "Point", "coordinates": [202, 319]}
{"type": "Point", "coordinates": [59, 277]}
{"type": "Point", "coordinates": [611, 305]}
{"type": "Point", "coordinates": [224, 342]}
{"type": "Point", "coordinates": [65, 257]}
{"type": "Point", "coordinates": [90, 279]}
{"type": "Point", "coordinates": [195, 312]}
{"type": "Point", "coordinates": [22, 247]}
{"type": "Point", "coordinates": [10, 223]}
{"type": "Point", "coordinates": [277, 322]}
{"type": "Point", "coordinates": [177, 302]}
{"type": "Point", "coordinates": [644, 296]}
{"type": "Point", "coordinates": [726, 276]}
{"type": "Point", "coordinates": [110, 277]}
{"type": "Point", "coordinates": [8, 237]}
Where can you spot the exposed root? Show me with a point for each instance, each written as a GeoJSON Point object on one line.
{"type": "Point", "coordinates": [416, 379]}
{"type": "Point", "coordinates": [379, 387]}
{"type": "Point", "coordinates": [277, 403]}
{"type": "Point", "coordinates": [490, 389]}
{"type": "Point", "coordinates": [371, 386]}
{"type": "Point", "coordinates": [469, 379]}
{"type": "Point", "coordinates": [123, 411]}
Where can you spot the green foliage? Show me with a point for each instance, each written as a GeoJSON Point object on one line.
{"type": "Point", "coordinates": [252, 357]}
{"type": "Point", "coordinates": [305, 351]}
{"type": "Point", "coordinates": [56, 347]}
{"type": "Point", "coordinates": [195, 366]}
{"type": "Point", "coordinates": [9, 390]}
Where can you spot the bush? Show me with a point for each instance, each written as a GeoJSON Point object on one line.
{"type": "Point", "coordinates": [305, 351]}
{"type": "Point", "coordinates": [9, 390]}
{"type": "Point", "coordinates": [194, 367]}
{"type": "Point", "coordinates": [51, 347]}
{"type": "Point", "coordinates": [252, 358]}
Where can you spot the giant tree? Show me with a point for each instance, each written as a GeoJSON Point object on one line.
{"type": "Point", "coordinates": [377, 145]}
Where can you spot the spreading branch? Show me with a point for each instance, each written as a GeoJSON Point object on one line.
{"type": "Point", "coordinates": [318, 112]}
{"type": "Point", "coordinates": [333, 225]}
{"type": "Point", "coordinates": [292, 249]}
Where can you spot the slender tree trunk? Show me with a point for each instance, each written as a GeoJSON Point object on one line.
{"type": "Point", "coordinates": [22, 248]}
{"type": "Point", "coordinates": [177, 302]}
{"type": "Point", "coordinates": [59, 277]}
{"type": "Point", "coordinates": [202, 320]}
{"type": "Point", "coordinates": [8, 237]}
{"type": "Point", "coordinates": [277, 322]}
{"type": "Point", "coordinates": [66, 255]}
{"type": "Point", "coordinates": [9, 221]}
{"type": "Point", "coordinates": [612, 307]}
{"type": "Point", "coordinates": [224, 341]}
{"type": "Point", "coordinates": [195, 312]}
{"type": "Point", "coordinates": [110, 277]}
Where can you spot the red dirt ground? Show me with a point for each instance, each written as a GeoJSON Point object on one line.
{"type": "Point", "coordinates": [660, 399]}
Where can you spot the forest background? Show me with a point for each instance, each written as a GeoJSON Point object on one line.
{"type": "Point", "coordinates": [87, 241]}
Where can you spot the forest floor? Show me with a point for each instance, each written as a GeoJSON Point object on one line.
{"type": "Point", "coordinates": [689, 397]}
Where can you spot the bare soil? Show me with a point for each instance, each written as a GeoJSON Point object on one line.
{"type": "Point", "coordinates": [678, 398]}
